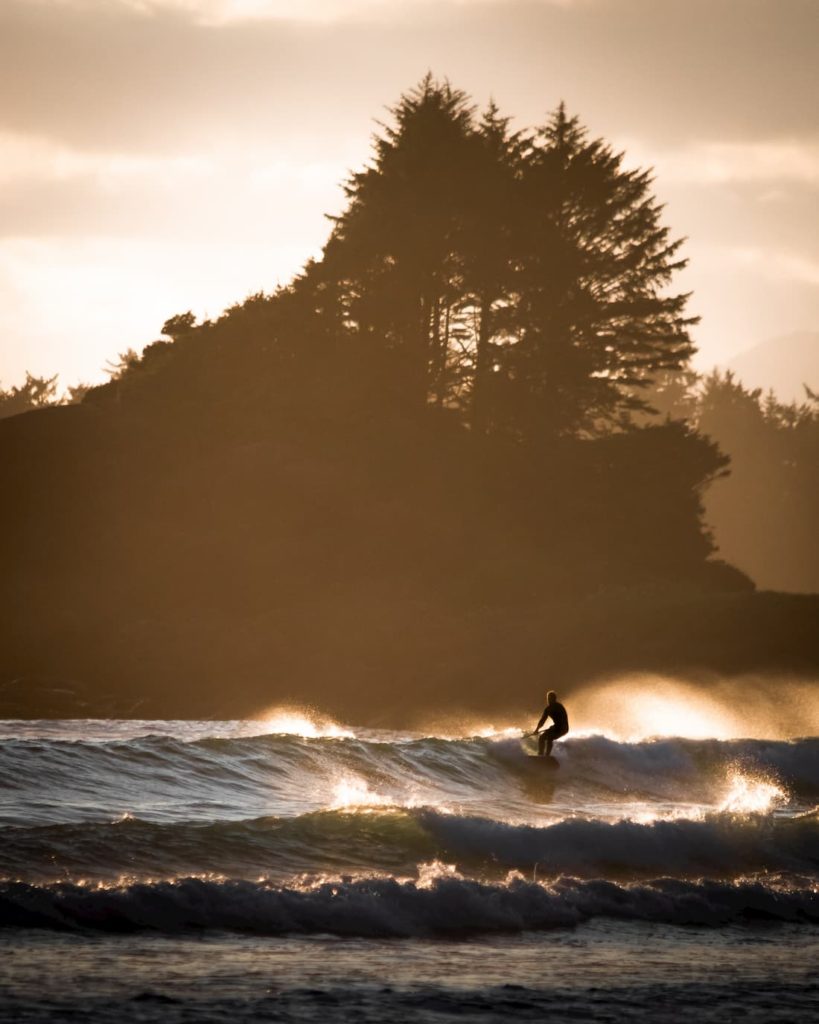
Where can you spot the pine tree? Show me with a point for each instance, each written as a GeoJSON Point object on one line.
{"type": "Point", "coordinates": [518, 276]}
{"type": "Point", "coordinates": [489, 241]}
{"type": "Point", "coordinates": [593, 319]}
{"type": "Point", "coordinates": [395, 250]}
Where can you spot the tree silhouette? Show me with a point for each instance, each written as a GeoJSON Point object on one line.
{"type": "Point", "coordinates": [126, 361]}
{"type": "Point", "coordinates": [395, 251]}
{"type": "Point", "coordinates": [435, 436]}
{"type": "Point", "coordinates": [179, 325]}
{"type": "Point", "coordinates": [33, 393]}
{"type": "Point", "coordinates": [593, 319]}
{"type": "Point", "coordinates": [530, 266]}
{"type": "Point", "coordinates": [490, 248]}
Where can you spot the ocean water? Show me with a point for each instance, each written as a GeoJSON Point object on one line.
{"type": "Point", "coordinates": [294, 869]}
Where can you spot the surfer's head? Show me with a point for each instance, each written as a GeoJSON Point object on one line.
{"type": "Point", "coordinates": [551, 697]}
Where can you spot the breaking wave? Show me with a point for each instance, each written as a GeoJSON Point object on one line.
{"type": "Point", "coordinates": [385, 907]}
{"type": "Point", "coordinates": [161, 777]}
{"type": "Point", "coordinates": [723, 845]}
{"type": "Point", "coordinates": [237, 826]}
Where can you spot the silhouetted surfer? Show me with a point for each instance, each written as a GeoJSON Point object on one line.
{"type": "Point", "coordinates": [559, 727]}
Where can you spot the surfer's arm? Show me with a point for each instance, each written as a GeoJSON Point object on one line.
{"type": "Point", "coordinates": [543, 718]}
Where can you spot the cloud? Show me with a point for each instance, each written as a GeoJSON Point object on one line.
{"type": "Point", "coordinates": [154, 77]}
{"type": "Point", "coordinates": [218, 12]}
{"type": "Point", "coordinates": [48, 189]}
{"type": "Point", "coordinates": [157, 155]}
{"type": "Point", "coordinates": [775, 265]}
{"type": "Point", "coordinates": [747, 294]}
{"type": "Point", "coordinates": [772, 161]}
{"type": "Point", "coordinates": [745, 261]}
{"type": "Point", "coordinates": [30, 157]}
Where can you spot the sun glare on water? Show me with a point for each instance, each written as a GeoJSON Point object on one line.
{"type": "Point", "coordinates": [352, 791]}
{"type": "Point", "coordinates": [490, 732]}
{"type": "Point", "coordinates": [301, 723]}
{"type": "Point", "coordinates": [749, 795]}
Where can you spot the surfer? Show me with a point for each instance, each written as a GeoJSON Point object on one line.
{"type": "Point", "coordinates": [559, 727]}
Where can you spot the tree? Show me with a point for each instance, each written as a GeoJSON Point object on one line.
{"type": "Point", "coordinates": [33, 393]}
{"type": "Point", "coordinates": [764, 515]}
{"type": "Point", "coordinates": [179, 325]}
{"type": "Point", "coordinates": [77, 393]}
{"type": "Point", "coordinates": [672, 394]}
{"type": "Point", "coordinates": [491, 228]}
{"type": "Point", "coordinates": [522, 276]}
{"type": "Point", "coordinates": [395, 252]}
{"type": "Point", "coordinates": [126, 361]}
{"type": "Point", "coordinates": [593, 319]}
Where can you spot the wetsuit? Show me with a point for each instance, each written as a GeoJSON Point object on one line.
{"type": "Point", "coordinates": [560, 720]}
{"type": "Point", "coordinates": [559, 726]}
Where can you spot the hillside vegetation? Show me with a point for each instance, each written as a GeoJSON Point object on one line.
{"type": "Point", "coordinates": [424, 474]}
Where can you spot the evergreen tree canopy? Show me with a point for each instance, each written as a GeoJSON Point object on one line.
{"type": "Point", "coordinates": [396, 251]}
{"type": "Point", "coordinates": [593, 320]}
{"type": "Point", "coordinates": [438, 435]}
{"type": "Point", "coordinates": [522, 275]}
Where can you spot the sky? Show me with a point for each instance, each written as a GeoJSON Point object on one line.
{"type": "Point", "coordinates": [159, 156]}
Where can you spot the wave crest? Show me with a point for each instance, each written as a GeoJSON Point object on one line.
{"type": "Point", "coordinates": [395, 839]}
{"type": "Point", "coordinates": [385, 907]}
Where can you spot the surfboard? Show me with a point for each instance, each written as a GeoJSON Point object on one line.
{"type": "Point", "coordinates": [549, 761]}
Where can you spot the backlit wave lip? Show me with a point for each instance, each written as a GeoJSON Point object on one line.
{"type": "Point", "coordinates": [393, 839]}
{"type": "Point", "coordinates": [444, 904]}
{"type": "Point", "coordinates": [666, 768]}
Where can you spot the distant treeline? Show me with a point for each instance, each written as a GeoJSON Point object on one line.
{"type": "Point", "coordinates": [428, 463]}
{"type": "Point", "coordinates": [764, 514]}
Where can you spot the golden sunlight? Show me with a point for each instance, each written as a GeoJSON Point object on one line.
{"type": "Point", "coordinates": [352, 791]}
{"type": "Point", "coordinates": [748, 794]}
{"type": "Point", "coordinates": [664, 714]}
{"type": "Point", "coordinates": [644, 705]}
{"type": "Point", "coordinates": [639, 707]}
{"type": "Point", "coordinates": [302, 722]}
